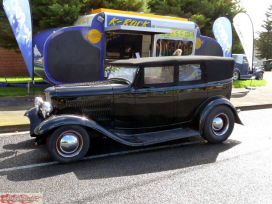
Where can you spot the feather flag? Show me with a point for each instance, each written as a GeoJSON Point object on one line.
{"type": "Point", "coordinates": [244, 28]}
{"type": "Point", "coordinates": [223, 34]}
{"type": "Point", "coordinates": [19, 16]}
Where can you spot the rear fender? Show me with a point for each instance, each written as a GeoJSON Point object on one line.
{"type": "Point", "coordinates": [211, 103]}
{"type": "Point", "coordinates": [257, 72]}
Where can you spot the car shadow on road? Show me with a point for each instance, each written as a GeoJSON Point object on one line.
{"type": "Point", "coordinates": [240, 94]}
{"type": "Point", "coordinates": [150, 161]}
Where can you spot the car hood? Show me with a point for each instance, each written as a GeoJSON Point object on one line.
{"type": "Point", "coordinates": [84, 89]}
{"type": "Point", "coordinates": [80, 89]}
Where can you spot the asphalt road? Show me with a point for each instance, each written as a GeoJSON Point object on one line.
{"type": "Point", "coordinates": [186, 171]}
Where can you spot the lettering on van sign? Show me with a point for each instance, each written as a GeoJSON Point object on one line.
{"type": "Point", "coordinates": [179, 34]}
{"type": "Point", "coordinates": [114, 21]}
{"type": "Point", "coordinates": [94, 36]}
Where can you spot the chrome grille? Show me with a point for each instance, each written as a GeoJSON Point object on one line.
{"type": "Point", "coordinates": [47, 97]}
{"type": "Point", "coordinates": [98, 109]}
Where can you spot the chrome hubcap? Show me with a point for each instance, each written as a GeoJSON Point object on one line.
{"type": "Point", "coordinates": [69, 144]}
{"type": "Point", "coordinates": [220, 124]}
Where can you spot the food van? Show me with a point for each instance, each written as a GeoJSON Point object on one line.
{"type": "Point", "coordinates": [80, 53]}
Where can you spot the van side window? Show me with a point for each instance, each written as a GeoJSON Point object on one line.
{"type": "Point", "coordinates": [190, 72]}
{"type": "Point", "coordinates": [158, 75]}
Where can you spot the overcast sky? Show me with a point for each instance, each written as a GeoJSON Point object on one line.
{"type": "Point", "coordinates": [256, 9]}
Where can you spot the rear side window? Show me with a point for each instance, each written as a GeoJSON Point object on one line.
{"type": "Point", "coordinates": [190, 72]}
{"type": "Point", "coordinates": [158, 75]}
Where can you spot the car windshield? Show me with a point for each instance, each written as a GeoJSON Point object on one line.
{"type": "Point", "coordinates": [123, 72]}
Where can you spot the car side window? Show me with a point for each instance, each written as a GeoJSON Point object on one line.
{"type": "Point", "coordinates": [158, 75]}
{"type": "Point", "coordinates": [190, 72]}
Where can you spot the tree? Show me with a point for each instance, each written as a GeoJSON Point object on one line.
{"type": "Point", "coordinates": [264, 42]}
{"type": "Point", "coordinates": [203, 13]}
{"type": "Point", "coordinates": [126, 5]}
{"type": "Point", "coordinates": [58, 13]}
{"type": "Point", "coordinates": [54, 13]}
{"type": "Point", "coordinates": [7, 39]}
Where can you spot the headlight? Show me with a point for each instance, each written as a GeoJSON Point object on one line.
{"type": "Point", "coordinates": [38, 103]}
{"type": "Point", "coordinates": [47, 108]}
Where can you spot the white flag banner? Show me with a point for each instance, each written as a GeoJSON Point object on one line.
{"type": "Point", "coordinates": [244, 28]}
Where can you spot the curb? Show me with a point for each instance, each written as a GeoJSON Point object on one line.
{"type": "Point", "coordinates": [14, 128]}
{"type": "Point", "coordinates": [254, 107]}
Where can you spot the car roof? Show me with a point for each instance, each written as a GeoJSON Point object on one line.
{"type": "Point", "coordinates": [170, 59]}
{"type": "Point", "coordinates": [217, 68]}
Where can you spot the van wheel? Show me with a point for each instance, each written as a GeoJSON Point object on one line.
{"type": "Point", "coordinates": [236, 75]}
{"type": "Point", "coordinates": [218, 125]}
{"type": "Point", "coordinates": [68, 143]}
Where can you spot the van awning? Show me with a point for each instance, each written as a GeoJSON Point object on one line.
{"type": "Point", "coordinates": [135, 29]}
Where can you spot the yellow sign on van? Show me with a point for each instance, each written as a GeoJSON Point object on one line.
{"type": "Point", "coordinates": [94, 36]}
{"type": "Point", "coordinates": [117, 21]}
{"type": "Point", "coordinates": [179, 34]}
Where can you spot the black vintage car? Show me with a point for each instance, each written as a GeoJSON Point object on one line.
{"type": "Point", "coordinates": [143, 102]}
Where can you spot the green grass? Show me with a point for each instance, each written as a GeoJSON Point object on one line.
{"type": "Point", "coordinates": [246, 83]}
{"type": "Point", "coordinates": [19, 79]}
{"type": "Point", "coordinates": [15, 91]}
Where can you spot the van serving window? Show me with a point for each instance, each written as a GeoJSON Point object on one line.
{"type": "Point", "coordinates": [167, 47]}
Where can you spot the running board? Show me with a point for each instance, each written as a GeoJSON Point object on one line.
{"type": "Point", "coordinates": [157, 137]}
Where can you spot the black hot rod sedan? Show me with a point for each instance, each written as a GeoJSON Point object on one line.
{"type": "Point", "coordinates": [143, 102]}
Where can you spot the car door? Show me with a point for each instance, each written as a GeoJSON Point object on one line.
{"type": "Point", "coordinates": [191, 91]}
{"type": "Point", "coordinates": [155, 97]}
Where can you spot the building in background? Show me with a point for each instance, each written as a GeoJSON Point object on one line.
{"type": "Point", "coordinates": [11, 64]}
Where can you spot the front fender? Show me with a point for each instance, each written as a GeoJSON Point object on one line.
{"type": "Point", "coordinates": [57, 121]}
{"type": "Point", "coordinates": [35, 119]}
{"type": "Point", "coordinates": [209, 105]}
{"type": "Point", "coordinates": [60, 120]}
{"type": "Point", "coordinates": [236, 69]}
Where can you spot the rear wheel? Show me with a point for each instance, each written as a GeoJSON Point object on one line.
{"type": "Point", "coordinates": [68, 143]}
{"type": "Point", "coordinates": [260, 76]}
{"type": "Point", "coordinates": [236, 75]}
{"type": "Point", "coordinates": [218, 125]}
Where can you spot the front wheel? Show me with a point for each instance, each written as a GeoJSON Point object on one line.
{"type": "Point", "coordinates": [218, 125]}
{"type": "Point", "coordinates": [68, 143]}
{"type": "Point", "coordinates": [236, 75]}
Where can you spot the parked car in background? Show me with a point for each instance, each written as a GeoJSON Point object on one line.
{"type": "Point", "coordinates": [242, 70]}
{"type": "Point", "coordinates": [267, 65]}
{"type": "Point", "coordinates": [143, 102]}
